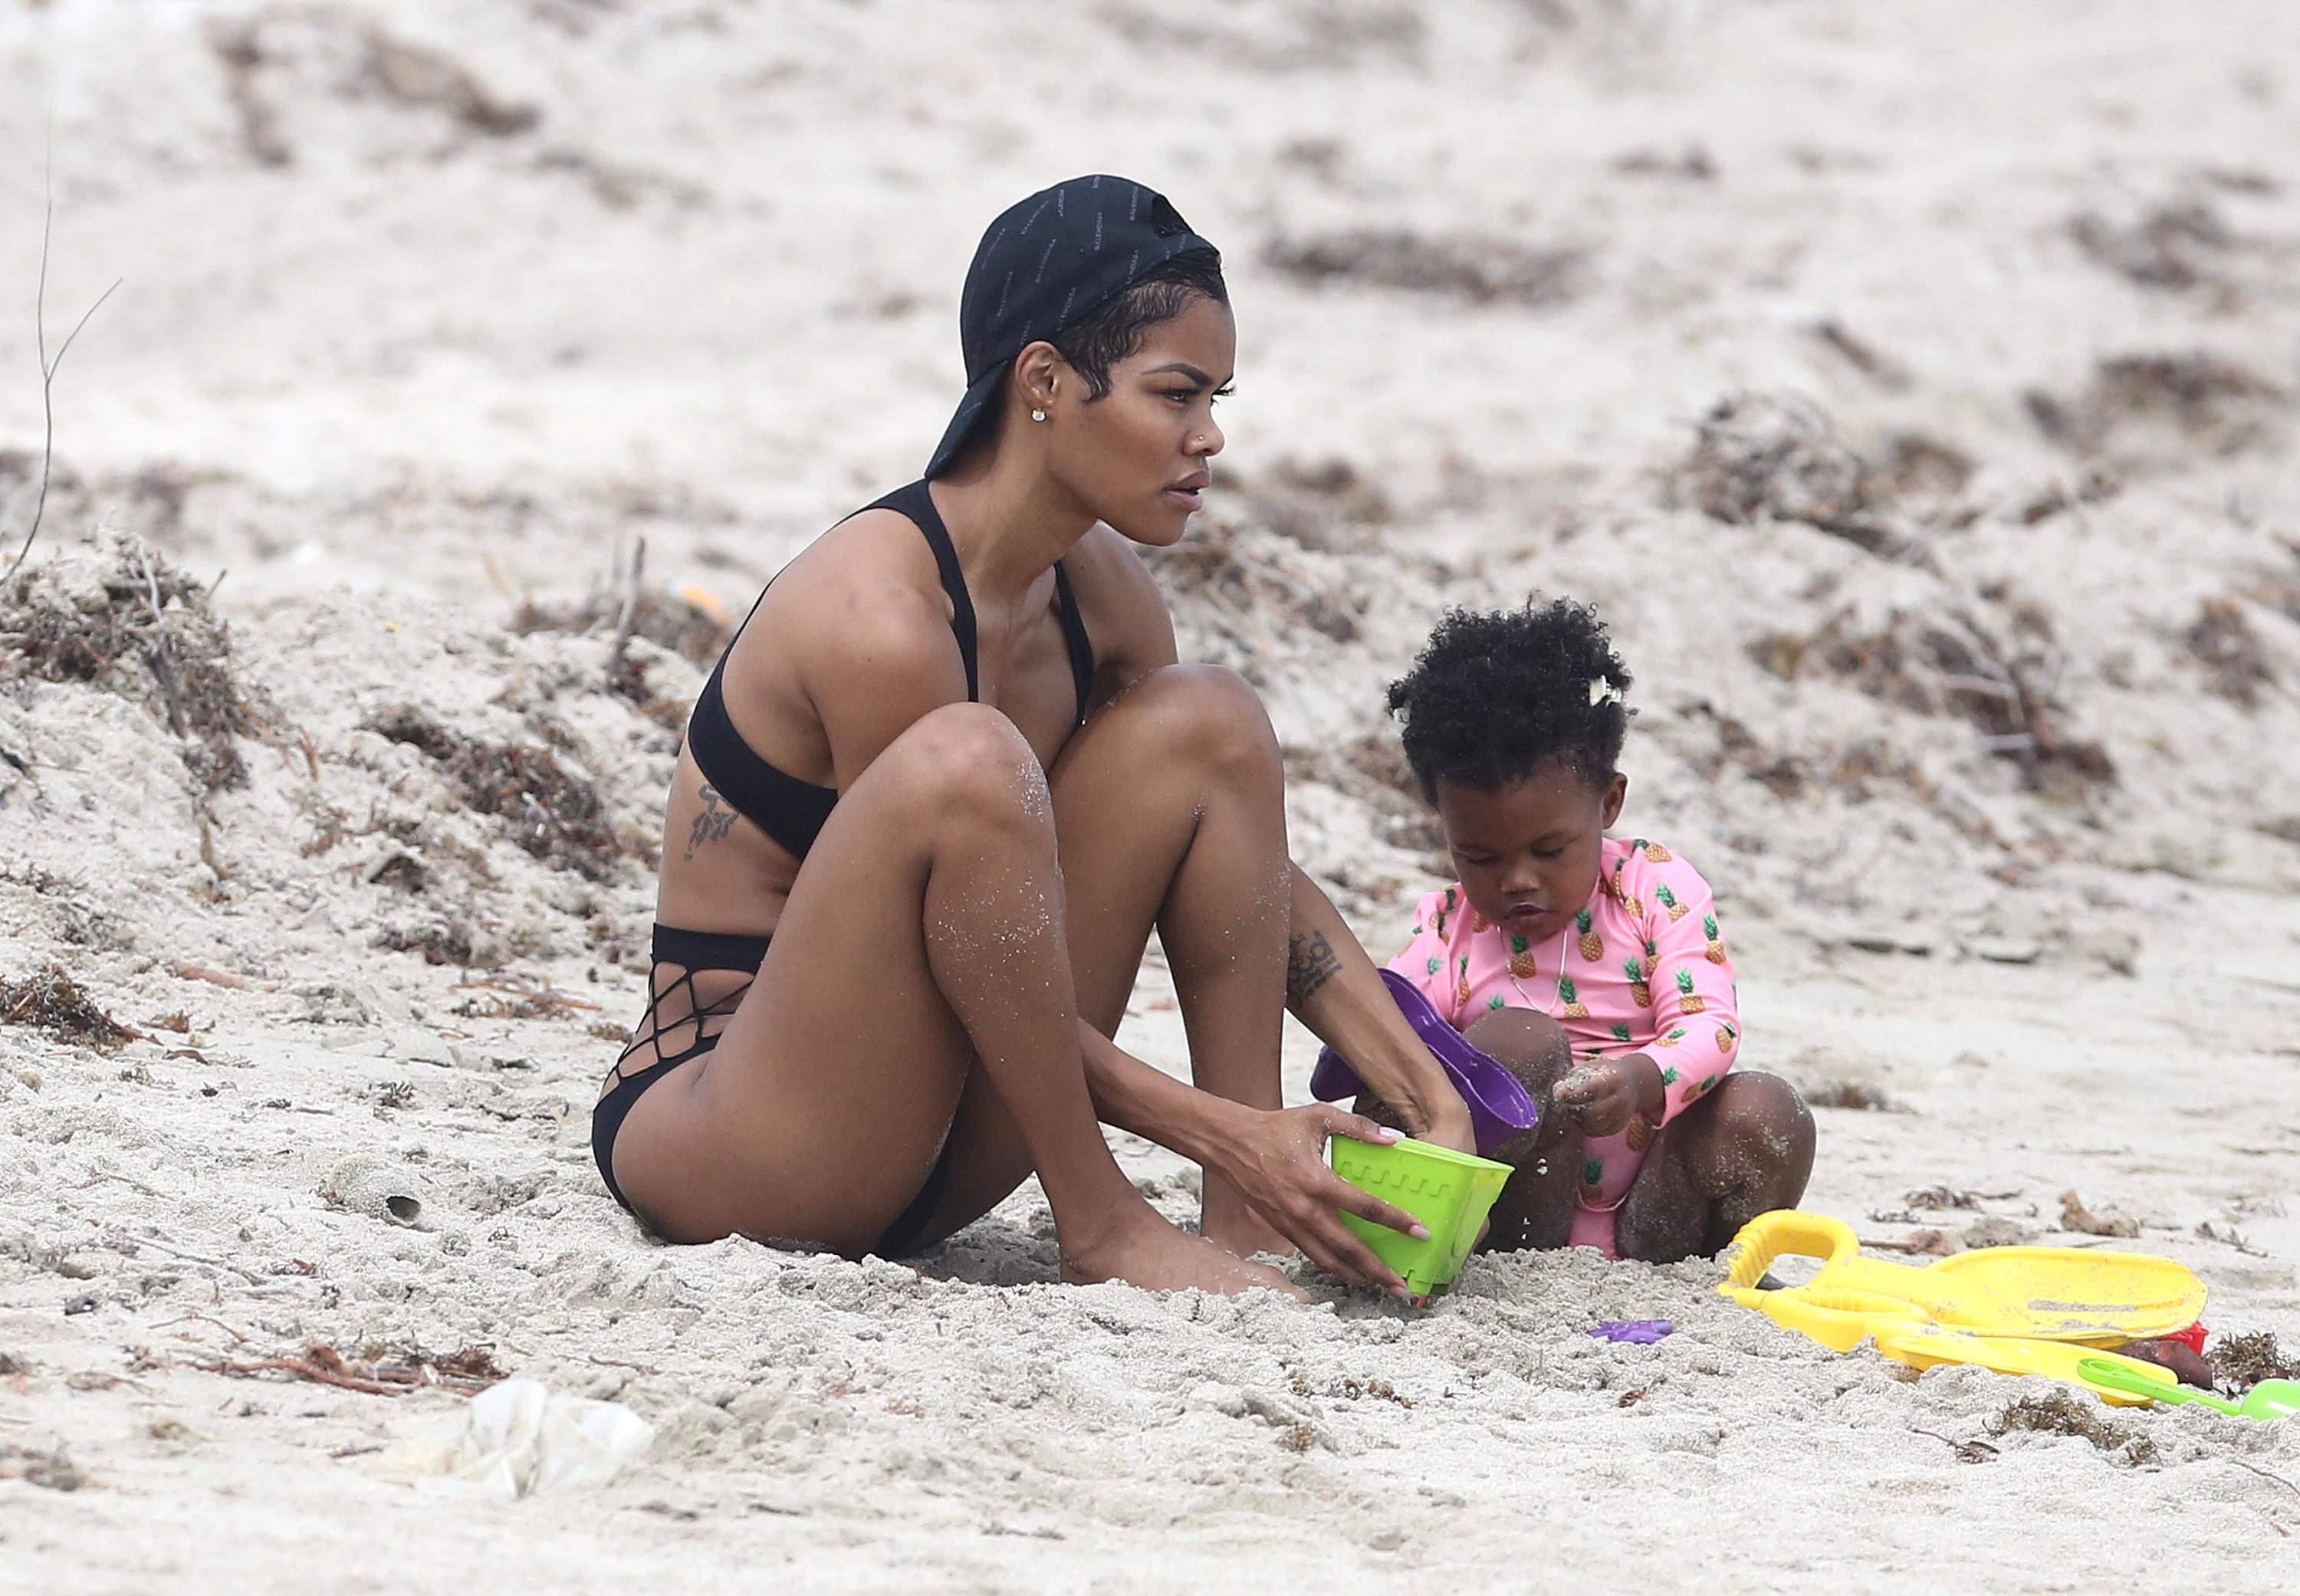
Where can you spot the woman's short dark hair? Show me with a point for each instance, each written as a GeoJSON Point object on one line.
{"type": "Point", "coordinates": [1494, 696]}
{"type": "Point", "coordinates": [1113, 330]}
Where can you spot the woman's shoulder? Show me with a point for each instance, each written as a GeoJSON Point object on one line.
{"type": "Point", "coordinates": [866, 594]}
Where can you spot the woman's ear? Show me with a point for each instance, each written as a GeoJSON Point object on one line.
{"type": "Point", "coordinates": [1038, 375]}
{"type": "Point", "coordinates": [1616, 790]}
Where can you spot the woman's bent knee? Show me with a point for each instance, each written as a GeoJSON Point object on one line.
{"type": "Point", "coordinates": [1205, 713]}
{"type": "Point", "coordinates": [968, 761]}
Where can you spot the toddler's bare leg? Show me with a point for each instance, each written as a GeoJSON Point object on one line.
{"type": "Point", "coordinates": [1743, 1150]}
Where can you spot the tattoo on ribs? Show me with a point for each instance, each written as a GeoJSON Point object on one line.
{"type": "Point", "coordinates": [713, 824]}
{"type": "Point", "coordinates": [1310, 963]}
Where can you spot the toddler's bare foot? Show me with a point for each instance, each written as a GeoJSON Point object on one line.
{"type": "Point", "coordinates": [1143, 1250]}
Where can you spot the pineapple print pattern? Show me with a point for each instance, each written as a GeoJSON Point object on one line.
{"type": "Point", "coordinates": [1655, 853]}
{"type": "Point", "coordinates": [1521, 958]}
{"type": "Point", "coordinates": [1641, 1132]}
{"type": "Point", "coordinates": [1677, 1034]}
{"type": "Point", "coordinates": [1725, 1036]}
{"type": "Point", "coordinates": [1570, 995]}
{"type": "Point", "coordinates": [1479, 923]}
{"type": "Point", "coordinates": [1640, 994]}
{"type": "Point", "coordinates": [1593, 946]}
{"type": "Point", "coordinates": [1716, 942]}
{"type": "Point", "coordinates": [1462, 988]}
{"type": "Point", "coordinates": [1593, 1175]}
{"type": "Point", "coordinates": [1622, 1033]}
{"type": "Point", "coordinates": [1688, 1001]}
{"type": "Point", "coordinates": [1668, 900]}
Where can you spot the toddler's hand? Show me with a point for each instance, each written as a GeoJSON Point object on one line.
{"type": "Point", "coordinates": [1599, 1097]}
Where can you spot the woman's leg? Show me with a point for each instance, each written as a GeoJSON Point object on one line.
{"type": "Point", "coordinates": [924, 938]}
{"type": "Point", "coordinates": [1169, 807]}
{"type": "Point", "coordinates": [1743, 1150]}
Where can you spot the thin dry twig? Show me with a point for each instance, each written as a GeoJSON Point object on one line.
{"type": "Point", "coordinates": [48, 371]}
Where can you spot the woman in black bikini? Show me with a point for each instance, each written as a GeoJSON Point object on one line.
{"type": "Point", "coordinates": [939, 788]}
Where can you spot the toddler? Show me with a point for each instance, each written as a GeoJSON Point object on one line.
{"type": "Point", "coordinates": [1593, 967]}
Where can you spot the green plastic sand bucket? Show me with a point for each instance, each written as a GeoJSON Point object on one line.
{"type": "Point", "coordinates": [1450, 1193]}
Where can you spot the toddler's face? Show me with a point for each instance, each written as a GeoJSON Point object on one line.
{"type": "Point", "coordinates": [1527, 853]}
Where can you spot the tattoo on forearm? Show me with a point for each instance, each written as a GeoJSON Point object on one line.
{"type": "Point", "coordinates": [1310, 963]}
{"type": "Point", "coordinates": [713, 824]}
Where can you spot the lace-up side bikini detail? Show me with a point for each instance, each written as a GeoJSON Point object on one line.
{"type": "Point", "coordinates": [693, 953]}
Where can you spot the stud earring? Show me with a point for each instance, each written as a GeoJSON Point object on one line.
{"type": "Point", "coordinates": [1037, 415]}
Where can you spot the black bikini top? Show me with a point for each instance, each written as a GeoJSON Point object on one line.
{"type": "Point", "coordinates": [794, 811]}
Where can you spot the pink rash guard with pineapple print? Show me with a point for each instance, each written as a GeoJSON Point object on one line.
{"type": "Point", "coordinates": [1642, 969]}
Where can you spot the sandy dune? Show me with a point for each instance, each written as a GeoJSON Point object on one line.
{"type": "Point", "coordinates": [1916, 390]}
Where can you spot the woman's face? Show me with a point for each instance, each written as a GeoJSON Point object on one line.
{"type": "Point", "coordinates": [1528, 852]}
{"type": "Point", "coordinates": [1139, 456]}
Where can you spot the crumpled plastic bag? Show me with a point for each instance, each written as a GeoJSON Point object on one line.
{"type": "Point", "coordinates": [519, 1437]}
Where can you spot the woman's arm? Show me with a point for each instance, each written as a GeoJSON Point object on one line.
{"type": "Point", "coordinates": [1275, 1157]}
{"type": "Point", "coordinates": [1332, 987]}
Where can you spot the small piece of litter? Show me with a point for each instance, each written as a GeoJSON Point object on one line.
{"type": "Point", "coordinates": [1641, 1333]}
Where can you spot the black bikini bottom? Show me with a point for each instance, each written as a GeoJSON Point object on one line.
{"type": "Point", "coordinates": [694, 951]}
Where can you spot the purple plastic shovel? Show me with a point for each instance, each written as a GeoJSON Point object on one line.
{"type": "Point", "coordinates": [1499, 1107]}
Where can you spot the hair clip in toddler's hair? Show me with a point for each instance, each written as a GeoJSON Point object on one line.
{"type": "Point", "coordinates": [1602, 691]}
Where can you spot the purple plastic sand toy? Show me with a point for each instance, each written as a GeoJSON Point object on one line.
{"type": "Point", "coordinates": [1499, 1107]}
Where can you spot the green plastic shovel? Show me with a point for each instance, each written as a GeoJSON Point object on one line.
{"type": "Point", "coordinates": [2269, 1398]}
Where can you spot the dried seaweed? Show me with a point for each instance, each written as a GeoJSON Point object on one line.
{"type": "Point", "coordinates": [51, 1469]}
{"type": "Point", "coordinates": [2208, 399]}
{"type": "Point", "coordinates": [49, 1000]}
{"type": "Point", "coordinates": [1999, 675]}
{"type": "Point", "coordinates": [2235, 660]}
{"type": "Point", "coordinates": [378, 1369]}
{"type": "Point", "coordinates": [2240, 1362]}
{"type": "Point", "coordinates": [2062, 1414]}
{"type": "Point", "coordinates": [2165, 248]}
{"type": "Point", "coordinates": [1849, 1095]}
{"type": "Point", "coordinates": [548, 809]}
{"type": "Point", "coordinates": [1472, 267]}
{"type": "Point", "coordinates": [1760, 457]}
{"type": "Point", "coordinates": [143, 631]}
{"type": "Point", "coordinates": [682, 625]}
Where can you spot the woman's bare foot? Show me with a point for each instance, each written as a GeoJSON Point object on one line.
{"type": "Point", "coordinates": [1225, 1219]}
{"type": "Point", "coordinates": [1143, 1250]}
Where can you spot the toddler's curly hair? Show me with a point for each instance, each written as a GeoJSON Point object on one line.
{"type": "Point", "coordinates": [1494, 695]}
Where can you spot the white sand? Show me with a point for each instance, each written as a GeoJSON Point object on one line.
{"type": "Point", "coordinates": [707, 299]}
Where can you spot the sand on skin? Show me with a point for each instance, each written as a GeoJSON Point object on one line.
{"type": "Point", "coordinates": [707, 297]}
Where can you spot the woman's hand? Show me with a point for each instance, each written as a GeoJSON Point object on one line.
{"type": "Point", "coordinates": [1277, 1160]}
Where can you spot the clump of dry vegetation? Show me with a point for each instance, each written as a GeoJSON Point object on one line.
{"type": "Point", "coordinates": [1759, 457]}
{"type": "Point", "coordinates": [2240, 1362]}
{"type": "Point", "coordinates": [549, 811]}
{"type": "Point", "coordinates": [1325, 505]}
{"type": "Point", "coordinates": [2168, 246]}
{"type": "Point", "coordinates": [2063, 1414]}
{"type": "Point", "coordinates": [2000, 676]}
{"type": "Point", "coordinates": [2209, 400]}
{"type": "Point", "coordinates": [1473, 267]}
{"type": "Point", "coordinates": [678, 624]}
{"type": "Point", "coordinates": [2235, 660]}
{"type": "Point", "coordinates": [1250, 588]}
{"type": "Point", "coordinates": [1858, 1095]}
{"type": "Point", "coordinates": [49, 1000]}
{"type": "Point", "coordinates": [367, 62]}
{"type": "Point", "coordinates": [134, 625]}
